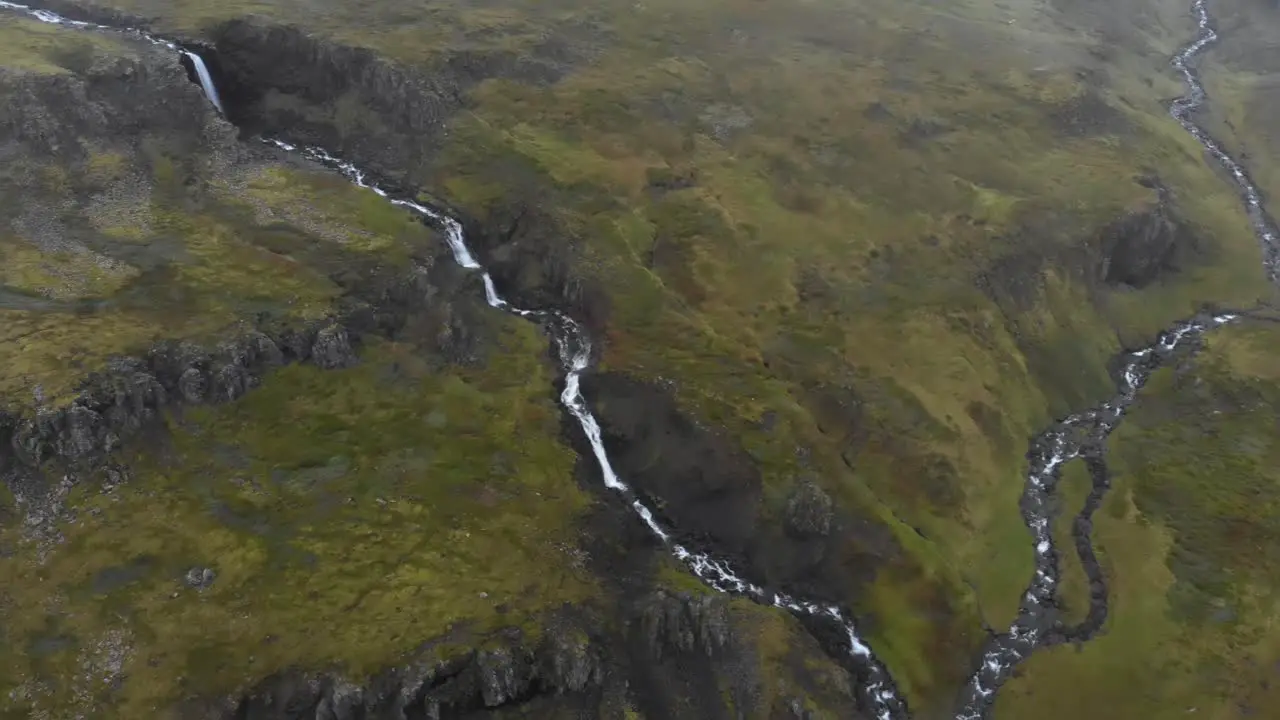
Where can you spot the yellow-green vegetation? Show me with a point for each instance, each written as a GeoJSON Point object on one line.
{"type": "Point", "coordinates": [387, 505]}
{"type": "Point", "coordinates": [790, 202]}
{"type": "Point", "coordinates": [875, 221]}
{"type": "Point", "coordinates": [1240, 76]}
{"type": "Point", "coordinates": [138, 260]}
{"type": "Point", "coordinates": [1073, 584]}
{"type": "Point", "coordinates": [787, 668]}
{"type": "Point", "coordinates": [357, 219]}
{"type": "Point", "coordinates": [31, 46]}
{"type": "Point", "coordinates": [1187, 540]}
{"type": "Point", "coordinates": [60, 275]}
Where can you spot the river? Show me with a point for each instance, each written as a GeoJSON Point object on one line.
{"type": "Point", "coordinates": [575, 357]}
{"type": "Point", "coordinates": [1081, 435]}
{"type": "Point", "coordinates": [1084, 434]}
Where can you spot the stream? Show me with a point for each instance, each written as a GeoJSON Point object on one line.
{"type": "Point", "coordinates": [877, 690]}
{"type": "Point", "coordinates": [1083, 435]}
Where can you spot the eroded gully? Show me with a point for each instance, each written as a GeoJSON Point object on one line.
{"type": "Point", "coordinates": [877, 691]}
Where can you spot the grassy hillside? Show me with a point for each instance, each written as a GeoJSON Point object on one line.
{"type": "Point", "coordinates": [415, 507]}
{"type": "Point", "coordinates": [872, 242]}
{"type": "Point", "coordinates": [1244, 78]}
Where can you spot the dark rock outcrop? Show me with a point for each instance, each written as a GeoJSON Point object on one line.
{"type": "Point", "coordinates": [809, 510]}
{"type": "Point", "coordinates": [332, 349]}
{"type": "Point", "coordinates": [280, 78]}
{"type": "Point", "coordinates": [684, 623]}
{"type": "Point", "coordinates": [568, 663]}
{"type": "Point", "coordinates": [532, 257]}
{"type": "Point", "coordinates": [702, 482]}
{"type": "Point", "coordinates": [1145, 244]}
{"type": "Point", "coordinates": [117, 98]}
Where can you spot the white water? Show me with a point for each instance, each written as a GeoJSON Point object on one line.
{"type": "Point", "coordinates": [206, 80]}
{"type": "Point", "coordinates": [1063, 442]}
{"type": "Point", "coordinates": [575, 357]}
{"type": "Point", "coordinates": [1181, 110]}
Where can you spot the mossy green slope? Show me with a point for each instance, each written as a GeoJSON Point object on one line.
{"type": "Point", "coordinates": [408, 508]}
{"type": "Point", "coordinates": [1073, 588]}
{"type": "Point", "coordinates": [1240, 74]}
{"type": "Point", "coordinates": [848, 218]}
{"type": "Point", "coordinates": [110, 243]}
{"type": "Point", "coordinates": [1188, 542]}
{"type": "Point", "coordinates": [867, 213]}
{"type": "Point", "coordinates": [35, 47]}
{"type": "Point", "coordinates": [350, 516]}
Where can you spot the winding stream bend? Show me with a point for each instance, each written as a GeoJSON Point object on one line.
{"type": "Point", "coordinates": [877, 691]}
{"type": "Point", "coordinates": [1083, 434]}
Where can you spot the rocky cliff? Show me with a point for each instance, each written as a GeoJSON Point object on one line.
{"type": "Point", "coordinates": [823, 346]}
{"type": "Point", "coordinates": [670, 651]}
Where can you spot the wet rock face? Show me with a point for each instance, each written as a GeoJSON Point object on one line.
{"type": "Point", "coordinates": [1140, 247]}
{"type": "Point", "coordinates": [114, 99]}
{"type": "Point", "coordinates": [809, 510]}
{"type": "Point", "coordinates": [709, 491]}
{"type": "Point", "coordinates": [683, 623]}
{"type": "Point", "coordinates": [531, 256]}
{"type": "Point", "coordinates": [699, 479]}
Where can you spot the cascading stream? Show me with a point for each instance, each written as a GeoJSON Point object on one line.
{"type": "Point", "coordinates": [1036, 623]}
{"type": "Point", "coordinates": [878, 692]}
{"type": "Point", "coordinates": [1085, 433]}
{"type": "Point", "coordinates": [206, 80]}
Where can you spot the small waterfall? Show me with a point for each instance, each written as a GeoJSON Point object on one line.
{"type": "Point", "coordinates": [877, 690]}
{"type": "Point", "coordinates": [574, 345]}
{"type": "Point", "coordinates": [206, 80]}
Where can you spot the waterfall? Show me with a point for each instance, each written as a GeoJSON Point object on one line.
{"type": "Point", "coordinates": [1079, 434]}
{"type": "Point", "coordinates": [877, 688]}
{"type": "Point", "coordinates": [574, 347]}
{"type": "Point", "coordinates": [206, 80]}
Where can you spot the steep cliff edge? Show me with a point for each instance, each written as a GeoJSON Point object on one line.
{"type": "Point", "coordinates": [284, 453]}
{"type": "Point", "coordinates": [877, 311]}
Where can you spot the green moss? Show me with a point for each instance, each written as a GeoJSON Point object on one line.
{"type": "Point", "coordinates": [345, 528]}
{"type": "Point", "coordinates": [330, 206]}
{"type": "Point", "coordinates": [30, 46]}
{"type": "Point", "coordinates": [60, 275]}
{"type": "Point", "coordinates": [674, 575]}
{"type": "Point", "coordinates": [172, 255]}
{"type": "Point", "coordinates": [808, 250]}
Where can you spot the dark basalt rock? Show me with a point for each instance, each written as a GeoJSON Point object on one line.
{"type": "Point", "coordinates": [708, 491]}
{"type": "Point", "coordinates": [699, 479]}
{"type": "Point", "coordinates": [193, 385]}
{"type": "Point", "coordinates": [460, 686]}
{"type": "Point", "coordinates": [809, 510]}
{"type": "Point", "coordinates": [281, 78]}
{"type": "Point", "coordinates": [684, 623]}
{"type": "Point", "coordinates": [1145, 244]}
{"type": "Point", "coordinates": [332, 349]}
